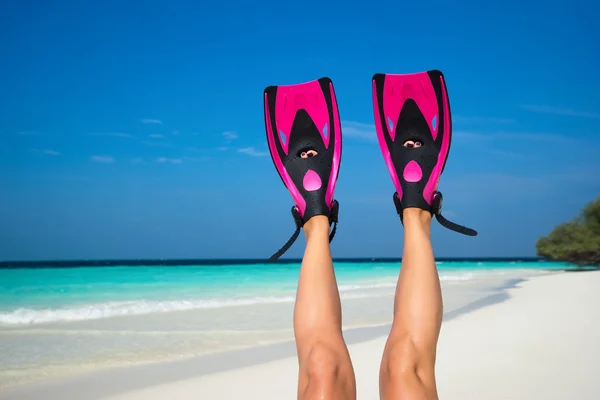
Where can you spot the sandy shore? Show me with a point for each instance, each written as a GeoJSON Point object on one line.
{"type": "Point", "coordinates": [205, 337]}
{"type": "Point", "coordinates": [541, 343]}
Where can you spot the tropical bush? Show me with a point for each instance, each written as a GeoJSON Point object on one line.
{"type": "Point", "coordinates": [576, 241]}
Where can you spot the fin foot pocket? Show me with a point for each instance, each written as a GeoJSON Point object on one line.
{"type": "Point", "coordinates": [333, 220]}
{"type": "Point", "coordinates": [436, 210]}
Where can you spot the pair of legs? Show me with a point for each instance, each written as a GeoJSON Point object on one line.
{"type": "Point", "coordinates": [407, 365]}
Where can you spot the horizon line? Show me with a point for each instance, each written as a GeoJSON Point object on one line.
{"type": "Point", "coordinates": [141, 262]}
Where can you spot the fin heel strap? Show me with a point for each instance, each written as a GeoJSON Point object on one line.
{"type": "Point", "coordinates": [455, 227]}
{"type": "Point", "coordinates": [436, 210]}
{"type": "Point", "coordinates": [333, 219]}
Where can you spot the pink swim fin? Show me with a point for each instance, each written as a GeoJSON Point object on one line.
{"type": "Point", "coordinates": [300, 118]}
{"type": "Point", "coordinates": [415, 107]}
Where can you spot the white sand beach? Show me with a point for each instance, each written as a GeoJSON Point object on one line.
{"type": "Point", "coordinates": [537, 341]}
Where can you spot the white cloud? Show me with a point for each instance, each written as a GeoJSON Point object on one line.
{"type": "Point", "coordinates": [48, 152]}
{"type": "Point", "coordinates": [151, 121]}
{"type": "Point", "coordinates": [157, 144]}
{"type": "Point", "coordinates": [459, 119]}
{"type": "Point", "coordinates": [103, 159]}
{"type": "Point", "coordinates": [512, 136]}
{"type": "Point", "coordinates": [164, 160]}
{"type": "Point", "coordinates": [559, 111]}
{"type": "Point", "coordinates": [251, 151]}
{"type": "Point", "coordinates": [113, 134]}
{"type": "Point", "coordinates": [156, 136]}
{"type": "Point", "coordinates": [230, 135]}
{"type": "Point", "coordinates": [202, 158]}
{"type": "Point", "coordinates": [359, 130]}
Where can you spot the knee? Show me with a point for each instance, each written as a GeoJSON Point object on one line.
{"type": "Point", "coordinates": [407, 371]}
{"type": "Point", "coordinates": [323, 362]}
{"type": "Point", "coordinates": [404, 358]}
{"type": "Point", "coordinates": [324, 367]}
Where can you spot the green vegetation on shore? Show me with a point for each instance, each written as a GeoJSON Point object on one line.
{"type": "Point", "coordinates": [576, 241]}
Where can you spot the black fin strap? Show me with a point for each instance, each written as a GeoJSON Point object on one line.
{"type": "Point", "coordinates": [286, 246]}
{"type": "Point", "coordinates": [332, 234]}
{"type": "Point", "coordinates": [455, 227]}
{"type": "Point", "coordinates": [333, 219]}
{"type": "Point", "coordinates": [436, 209]}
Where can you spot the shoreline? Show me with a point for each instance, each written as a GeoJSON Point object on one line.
{"type": "Point", "coordinates": [540, 344]}
{"type": "Point", "coordinates": [103, 382]}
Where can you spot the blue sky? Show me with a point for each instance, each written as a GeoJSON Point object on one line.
{"type": "Point", "coordinates": [135, 129]}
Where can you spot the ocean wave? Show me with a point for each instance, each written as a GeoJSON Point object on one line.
{"type": "Point", "coordinates": [124, 308]}
{"type": "Point", "coordinates": [29, 316]}
{"type": "Point", "coordinates": [391, 281]}
{"type": "Point", "coordinates": [378, 285]}
{"type": "Point", "coordinates": [467, 276]}
{"type": "Point", "coordinates": [100, 310]}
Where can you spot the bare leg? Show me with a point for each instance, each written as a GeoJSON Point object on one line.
{"type": "Point", "coordinates": [408, 363]}
{"type": "Point", "coordinates": [325, 368]}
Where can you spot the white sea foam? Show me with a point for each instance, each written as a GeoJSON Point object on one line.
{"type": "Point", "coordinates": [124, 308]}
{"type": "Point", "coordinates": [465, 276]}
{"type": "Point", "coordinates": [139, 307]}
{"type": "Point", "coordinates": [109, 309]}
{"type": "Point", "coordinates": [377, 285]}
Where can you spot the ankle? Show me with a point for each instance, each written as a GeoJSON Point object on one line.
{"type": "Point", "coordinates": [415, 215]}
{"type": "Point", "coordinates": [317, 225]}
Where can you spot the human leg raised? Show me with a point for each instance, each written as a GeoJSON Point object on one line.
{"type": "Point", "coordinates": [325, 369]}
{"type": "Point", "coordinates": [305, 141]}
{"type": "Point", "coordinates": [414, 129]}
{"type": "Point", "coordinates": [408, 362]}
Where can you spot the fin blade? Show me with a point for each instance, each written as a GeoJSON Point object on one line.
{"type": "Point", "coordinates": [314, 101]}
{"type": "Point", "coordinates": [423, 94]}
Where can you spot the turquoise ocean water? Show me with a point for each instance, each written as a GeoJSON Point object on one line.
{"type": "Point", "coordinates": [59, 294]}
